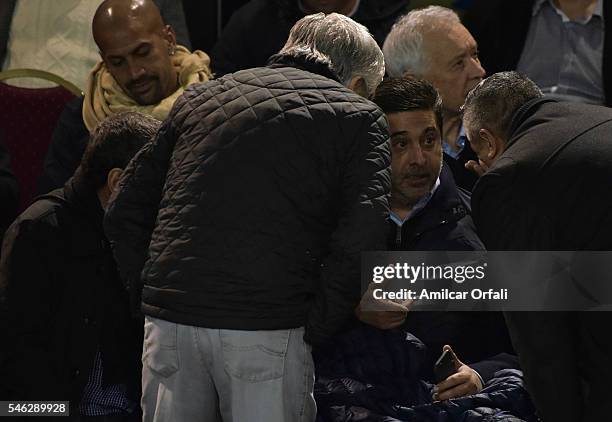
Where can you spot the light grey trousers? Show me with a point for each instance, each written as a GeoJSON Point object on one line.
{"type": "Point", "coordinates": [194, 374]}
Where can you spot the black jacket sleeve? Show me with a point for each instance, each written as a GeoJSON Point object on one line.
{"type": "Point", "coordinates": [67, 146]}
{"type": "Point", "coordinates": [132, 212]}
{"type": "Point", "coordinates": [9, 191]}
{"type": "Point", "coordinates": [361, 227]}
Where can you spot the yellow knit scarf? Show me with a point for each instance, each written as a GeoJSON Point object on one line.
{"type": "Point", "coordinates": [104, 96]}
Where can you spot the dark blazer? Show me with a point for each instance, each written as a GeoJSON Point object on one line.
{"type": "Point", "coordinates": [500, 28]}
{"type": "Point", "coordinates": [551, 189]}
{"type": "Point", "coordinates": [61, 301]}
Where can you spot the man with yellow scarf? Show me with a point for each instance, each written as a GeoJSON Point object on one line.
{"type": "Point", "coordinates": [142, 69]}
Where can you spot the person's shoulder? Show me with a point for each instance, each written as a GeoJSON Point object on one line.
{"type": "Point", "coordinates": [46, 210]}
{"type": "Point", "coordinates": [588, 110]}
{"type": "Point", "coordinates": [38, 225]}
{"type": "Point", "coordinates": [279, 86]}
{"type": "Point", "coordinates": [504, 169]}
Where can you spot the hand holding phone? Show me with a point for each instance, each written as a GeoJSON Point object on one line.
{"type": "Point", "coordinates": [454, 378]}
{"type": "Point", "coordinates": [445, 366]}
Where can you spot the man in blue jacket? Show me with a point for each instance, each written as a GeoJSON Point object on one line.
{"type": "Point", "coordinates": [429, 212]}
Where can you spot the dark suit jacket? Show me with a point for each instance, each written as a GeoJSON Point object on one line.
{"type": "Point", "coordinates": [552, 190]}
{"type": "Point", "coordinates": [500, 28]}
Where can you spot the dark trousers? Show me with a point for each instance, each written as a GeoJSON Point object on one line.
{"type": "Point", "coordinates": [566, 358]}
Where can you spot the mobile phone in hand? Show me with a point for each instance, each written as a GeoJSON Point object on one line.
{"type": "Point", "coordinates": [444, 367]}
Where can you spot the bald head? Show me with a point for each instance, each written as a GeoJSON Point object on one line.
{"type": "Point", "coordinates": [137, 48]}
{"type": "Point", "coordinates": [123, 14]}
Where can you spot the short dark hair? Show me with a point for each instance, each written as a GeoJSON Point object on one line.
{"type": "Point", "coordinates": [113, 143]}
{"type": "Point", "coordinates": [395, 95]}
{"type": "Point", "coordinates": [493, 103]}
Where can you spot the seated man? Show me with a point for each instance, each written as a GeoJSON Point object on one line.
{"type": "Point", "coordinates": [142, 69]}
{"type": "Point", "coordinates": [429, 212]}
{"type": "Point", "coordinates": [65, 323]}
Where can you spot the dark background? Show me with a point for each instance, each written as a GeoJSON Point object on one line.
{"type": "Point", "coordinates": [205, 18]}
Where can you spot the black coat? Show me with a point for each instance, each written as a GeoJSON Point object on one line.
{"type": "Point", "coordinates": [551, 190]}
{"type": "Point", "coordinates": [269, 183]}
{"type": "Point", "coordinates": [478, 338]}
{"type": "Point", "coordinates": [66, 149]}
{"type": "Point", "coordinates": [500, 28]}
{"type": "Point", "coordinates": [260, 29]}
{"type": "Point", "coordinates": [62, 301]}
{"type": "Point", "coordinates": [9, 190]}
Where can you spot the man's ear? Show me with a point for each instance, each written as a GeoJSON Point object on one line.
{"type": "Point", "coordinates": [170, 37]}
{"type": "Point", "coordinates": [112, 180]}
{"type": "Point", "coordinates": [359, 86]}
{"type": "Point", "coordinates": [492, 143]}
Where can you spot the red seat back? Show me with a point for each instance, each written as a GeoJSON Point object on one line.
{"type": "Point", "coordinates": [27, 120]}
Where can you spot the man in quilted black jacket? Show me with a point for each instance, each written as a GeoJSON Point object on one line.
{"type": "Point", "coordinates": [243, 221]}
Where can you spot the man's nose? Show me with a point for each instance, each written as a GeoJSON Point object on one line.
{"type": "Point", "coordinates": [416, 155]}
{"type": "Point", "coordinates": [136, 71]}
{"type": "Point", "coordinates": [476, 69]}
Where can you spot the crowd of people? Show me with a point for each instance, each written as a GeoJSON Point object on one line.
{"type": "Point", "coordinates": [194, 254]}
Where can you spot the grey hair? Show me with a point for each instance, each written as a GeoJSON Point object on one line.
{"type": "Point", "coordinates": [403, 47]}
{"type": "Point", "coordinates": [340, 42]}
{"type": "Point", "coordinates": [493, 103]}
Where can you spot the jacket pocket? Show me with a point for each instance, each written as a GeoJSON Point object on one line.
{"type": "Point", "coordinates": [160, 352]}
{"type": "Point", "coordinates": [254, 355]}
